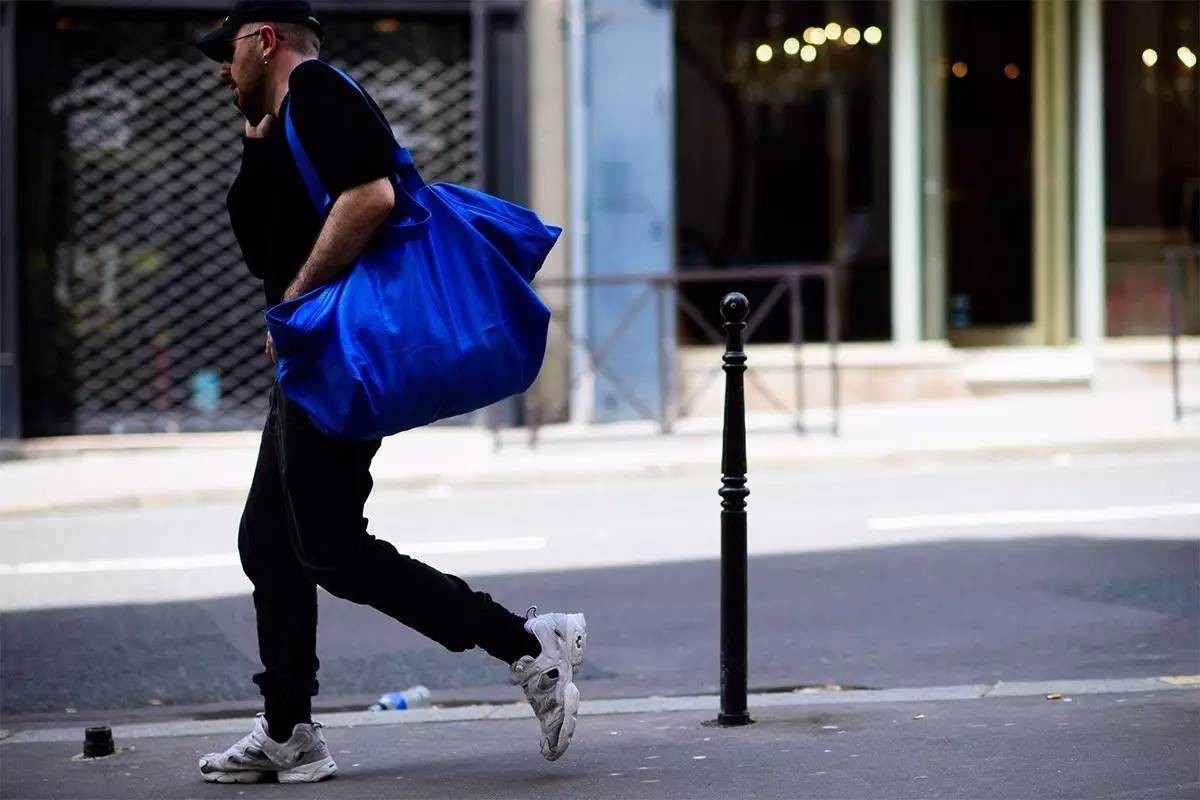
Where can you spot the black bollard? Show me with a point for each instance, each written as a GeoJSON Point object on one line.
{"type": "Point", "coordinates": [734, 309]}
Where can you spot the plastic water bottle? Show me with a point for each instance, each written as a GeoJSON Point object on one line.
{"type": "Point", "coordinates": [412, 697]}
{"type": "Point", "coordinates": [960, 311]}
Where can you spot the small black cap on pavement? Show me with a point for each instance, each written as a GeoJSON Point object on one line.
{"type": "Point", "coordinates": [98, 742]}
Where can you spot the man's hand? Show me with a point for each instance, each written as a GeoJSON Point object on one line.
{"type": "Point", "coordinates": [269, 349]}
{"type": "Point", "coordinates": [260, 130]}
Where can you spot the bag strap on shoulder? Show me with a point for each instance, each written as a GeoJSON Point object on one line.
{"type": "Point", "coordinates": [406, 169]}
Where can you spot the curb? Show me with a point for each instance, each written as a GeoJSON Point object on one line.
{"type": "Point", "coordinates": [1053, 690]}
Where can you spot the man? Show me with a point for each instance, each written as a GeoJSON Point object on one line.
{"type": "Point", "coordinates": [303, 526]}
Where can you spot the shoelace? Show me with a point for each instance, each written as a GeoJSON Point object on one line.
{"type": "Point", "coordinates": [530, 613]}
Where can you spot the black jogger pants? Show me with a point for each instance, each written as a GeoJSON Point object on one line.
{"type": "Point", "coordinates": [303, 527]}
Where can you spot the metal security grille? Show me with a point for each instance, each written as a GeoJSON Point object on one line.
{"type": "Point", "coordinates": [164, 324]}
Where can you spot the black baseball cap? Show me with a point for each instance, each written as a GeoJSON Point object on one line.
{"type": "Point", "coordinates": [216, 44]}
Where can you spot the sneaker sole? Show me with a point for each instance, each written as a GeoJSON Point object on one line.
{"type": "Point", "coordinates": [570, 717]}
{"type": "Point", "coordinates": [310, 773]}
{"type": "Point", "coordinates": [245, 776]}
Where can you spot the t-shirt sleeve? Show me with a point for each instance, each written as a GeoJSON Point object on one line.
{"type": "Point", "coordinates": [341, 135]}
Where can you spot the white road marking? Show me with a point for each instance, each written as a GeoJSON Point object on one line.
{"type": "Point", "coordinates": [1034, 517]}
{"type": "Point", "coordinates": [214, 560]}
{"type": "Point", "coordinates": [509, 545]}
{"type": "Point", "coordinates": [120, 565]}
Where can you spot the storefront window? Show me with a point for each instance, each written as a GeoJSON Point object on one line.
{"type": "Point", "coordinates": [782, 143]}
{"type": "Point", "coordinates": [1152, 155]}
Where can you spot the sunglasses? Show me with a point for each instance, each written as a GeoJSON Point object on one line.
{"type": "Point", "coordinates": [229, 46]}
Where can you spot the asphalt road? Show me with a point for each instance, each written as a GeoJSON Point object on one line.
{"type": "Point", "coordinates": [940, 575]}
{"type": "Point", "coordinates": [189, 552]}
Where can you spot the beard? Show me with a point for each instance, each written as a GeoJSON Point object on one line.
{"type": "Point", "coordinates": [251, 99]}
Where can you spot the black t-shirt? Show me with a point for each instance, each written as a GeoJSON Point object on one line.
{"type": "Point", "coordinates": [273, 216]}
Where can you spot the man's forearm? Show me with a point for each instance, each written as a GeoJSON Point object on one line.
{"type": "Point", "coordinates": [356, 215]}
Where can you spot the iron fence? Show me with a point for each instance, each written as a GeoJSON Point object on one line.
{"type": "Point", "coordinates": [664, 291]}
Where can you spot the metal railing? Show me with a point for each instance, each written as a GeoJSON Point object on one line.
{"type": "Point", "coordinates": [1178, 261]}
{"type": "Point", "coordinates": [662, 289]}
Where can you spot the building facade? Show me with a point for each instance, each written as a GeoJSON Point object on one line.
{"type": "Point", "coordinates": [974, 175]}
{"type": "Point", "coordinates": [978, 175]}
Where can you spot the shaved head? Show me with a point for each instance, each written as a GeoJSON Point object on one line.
{"type": "Point", "coordinates": [299, 39]}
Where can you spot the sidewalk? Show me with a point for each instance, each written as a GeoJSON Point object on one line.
{"type": "Point", "coordinates": [145, 470]}
{"type": "Point", "coordinates": [1130, 738]}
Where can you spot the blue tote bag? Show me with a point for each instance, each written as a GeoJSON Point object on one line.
{"type": "Point", "coordinates": [436, 318]}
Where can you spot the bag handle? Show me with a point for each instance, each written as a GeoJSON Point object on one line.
{"type": "Point", "coordinates": [406, 169]}
{"type": "Point", "coordinates": [308, 172]}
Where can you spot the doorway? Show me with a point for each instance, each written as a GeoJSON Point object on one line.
{"type": "Point", "coordinates": [997, 169]}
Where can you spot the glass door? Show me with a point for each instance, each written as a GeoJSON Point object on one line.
{"type": "Point", "coordinates": [994, 217]}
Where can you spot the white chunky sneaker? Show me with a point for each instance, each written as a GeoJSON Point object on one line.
{"type": "Point", "coordinates": [549, 679]}
{"type": "Point", "coordinates": [304, 758]}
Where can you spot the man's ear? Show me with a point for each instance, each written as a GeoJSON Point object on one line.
{"type": "Point", "coordinates": [268, 39]}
